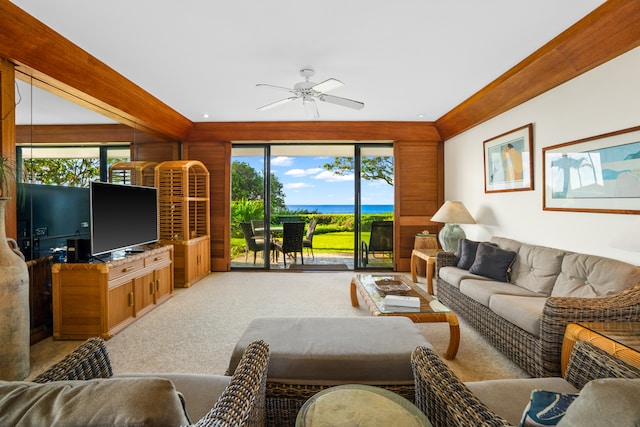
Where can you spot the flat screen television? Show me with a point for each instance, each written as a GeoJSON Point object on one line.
{"type": "Point", "coordinates": [122, 216]}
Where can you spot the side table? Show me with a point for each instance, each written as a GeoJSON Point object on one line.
{"type": "Point", "coordinates": [357, 404]}
{"type": "Point", "coordinates": [428, 255]}
{"type": "Point", "coordinates": [620, 339]}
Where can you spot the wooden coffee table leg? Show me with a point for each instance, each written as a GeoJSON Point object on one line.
{"type": "Point", "coordinates": [414, 267]}
{"type": "Point", "coordinates": [354, 294]}
{"type": "Point", "coordinates": [454, 336]}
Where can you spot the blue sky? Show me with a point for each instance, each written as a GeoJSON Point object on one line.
{"type": "Point", "coordinates": [306, 182]}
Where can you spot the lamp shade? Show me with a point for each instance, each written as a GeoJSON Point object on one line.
{"type": "Point", "coordinates": [453, 213]}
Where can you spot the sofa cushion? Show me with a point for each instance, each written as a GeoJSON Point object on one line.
{"type": "Point", "coordinates": [482, 290]}
{"type": "Point", "coordinates": [454, 275]}
{"type": "Point", "coordinates": [508, 398]}
{"type": "Point", "coordinates": [536, 268]}
{"type": "Point", "coordinates": [523, 311]}
{"type": "Point", "coordinates": [493, 262]}
{"type": "Point", "coordinates": [200, 391]}
{"type": "Point", "coordinates": [506, 243]}
{"type": "Point", "coordinates": [588, 276]}
{"type": "Point", "coordinates": [101, 402]}
{"type": "Point", "coordinates": [606, 401]}
{"type": "Point", "coordinates": [466, 253]}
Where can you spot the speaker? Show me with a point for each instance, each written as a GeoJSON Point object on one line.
{"type": "Point", "coordinates": [78, 250]}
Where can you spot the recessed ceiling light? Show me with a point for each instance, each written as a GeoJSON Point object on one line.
{"type": "Point", "coordinates": [205, 115]}
{"type": "Point", "coordinates": [420, 116]}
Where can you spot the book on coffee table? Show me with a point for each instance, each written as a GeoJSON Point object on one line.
{"type": "Point", "coordinates": [402, 301]}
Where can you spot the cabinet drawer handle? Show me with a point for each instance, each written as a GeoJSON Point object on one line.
{"type": "Point", "coordinates": [157, 258]}
{"type": "Point", "coordinates": [130, 299]}
{"type": "Point", "coordinates": [151, 287]}
{"type": "Point", "coordinates": [157, 285]}
{"type": "Point", "coordinates": [126, 269]}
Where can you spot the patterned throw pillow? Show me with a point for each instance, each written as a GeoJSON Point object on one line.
{"type": "Point", "coordinates": [546, 408]}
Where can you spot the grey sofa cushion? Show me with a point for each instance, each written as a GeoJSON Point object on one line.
{"type": "Point", "coordinates": [482, 290]}
{"type": "Point", "coordinates": [589, 276]}
{"type": "Point", "coordinates": [508, 398]}
{"type": "Point", "coordinates": [605, 402]}
{"type": "Point", "coordinates": [536, 268]}
{"type": "Point", "coordinates": [115, 402]}
{"type": "Point", "coordinates": [335, 350]}
{"type": "Point", "coordinates": [493, 262]}
{"type": "Point", "coordinates": [524, 312]}
{"type": "Point", "coordinates": [454, 275]}
{"type": "Point", "coordinates": [200, 391]}
{"type": "Point", "coordinates": [506, 243]}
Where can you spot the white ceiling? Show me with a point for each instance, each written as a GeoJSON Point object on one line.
{"type": "Point", "coordinates": [401, 58]}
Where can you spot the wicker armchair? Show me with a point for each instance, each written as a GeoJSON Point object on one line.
{"type": "Point", "coordinates": [447, 401]}
{"type": "Point", "coordinates": [241, 404]}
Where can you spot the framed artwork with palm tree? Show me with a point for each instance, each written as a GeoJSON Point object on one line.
{"type": "Point", "coordinates": [595, 174]}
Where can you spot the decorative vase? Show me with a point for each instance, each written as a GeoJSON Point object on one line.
{"type": "Point", "coordinates": [14, 309]}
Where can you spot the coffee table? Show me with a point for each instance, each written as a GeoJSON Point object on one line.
{"type": "Point", "coordinates": [431, 310]}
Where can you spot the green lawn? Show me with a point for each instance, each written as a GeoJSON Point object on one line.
{"type": "Point", "coordinates": [338, 242]}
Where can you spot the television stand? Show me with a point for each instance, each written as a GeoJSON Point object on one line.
{"type": "Point", "coordinates": [101, 299]}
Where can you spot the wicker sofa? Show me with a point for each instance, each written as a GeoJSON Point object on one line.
{"type": "Point", "coordinates": [525, 314]}
{"type": "Point", "coordinates": [83, 387]}
{"type": "Point", "coordinates": [448, 402]}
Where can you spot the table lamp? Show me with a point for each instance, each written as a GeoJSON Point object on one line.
{"type": "Point", "coordinates": [452, 214]}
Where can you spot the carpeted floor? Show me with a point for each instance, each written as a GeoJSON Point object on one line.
{"type": "Point", "coordinates": [196, 330]}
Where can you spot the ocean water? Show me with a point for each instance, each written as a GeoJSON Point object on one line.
{"type": "Point", "coordinates": [342, 209]}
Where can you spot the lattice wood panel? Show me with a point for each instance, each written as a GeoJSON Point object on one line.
{"type": "Point", "coordinates": [183, 199]}
{"type": "Point", "coordinates": [133, 173]}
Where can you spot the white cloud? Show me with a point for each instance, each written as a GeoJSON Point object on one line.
{"type": "Point", "coordinates": [331, 177]}
{"type": "Point", "coordinates": [303, 172]}
{"type": "Point", "coordinates": [296, 185]}
{"type": "Point", "coordinates": [281, 161]}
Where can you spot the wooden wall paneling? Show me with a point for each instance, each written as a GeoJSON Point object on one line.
{"type": "Point", "coordinates": [419, 189]}
{"type": "Point", "coordinates": [216, 156]}
{"type": "Point", "coordinates": [609, 31]}
{"type": "Point", "coordinates": [8, 137]}
{"type": "Point", "coordinates": [159, 151]}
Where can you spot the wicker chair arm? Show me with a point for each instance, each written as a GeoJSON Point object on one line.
{"type": "Point", "coordinates": [558, 312]}
{"type": "Point", "coordinates": [587, 362]}
{"type": "Point", "coordinates": [445, 259]}
{"type": "Point", "coordinates": [90, 360]}
{"type": "Point", "coordinates": [243, 401]}
{"type": "Point", "coordinates": [444, 399]}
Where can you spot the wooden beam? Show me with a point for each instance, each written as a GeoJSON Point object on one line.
{"type": "Point", "coordinates": [47, 59]}
{"type": "Point", "coordinates": [314, 131]}
{"type": "Point", "coordinates": [607, 32]}
{"type": "Point", "coordinates": [8, 138]}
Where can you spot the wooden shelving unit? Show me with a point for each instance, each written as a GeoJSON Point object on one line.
{"type": "Point", "coordinates": [133, 173]}
{"type": "Point", "coordinates": [184, 209]}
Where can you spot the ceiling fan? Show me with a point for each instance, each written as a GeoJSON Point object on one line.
{"type": "Point", "coordinates": [309, 92]}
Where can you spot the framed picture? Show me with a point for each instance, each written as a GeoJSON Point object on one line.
{"type": "Point", "coordinates": [508, 161]}
{"type": "Point", "coordinates": [597, 174]}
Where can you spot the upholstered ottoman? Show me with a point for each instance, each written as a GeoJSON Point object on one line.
{"type": "Point", "coordinates": [312, 353]}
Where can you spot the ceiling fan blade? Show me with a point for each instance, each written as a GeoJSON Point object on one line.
{"type": "Point", "coordinates": [327, 85]}
{"type": "Point", "coordinates": [342, 101]}
{"type": "Point", "coordinates": [275, 104]}
{"type": "Point", "coordinates": [276, 87]}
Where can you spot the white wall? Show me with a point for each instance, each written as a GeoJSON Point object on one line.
{"type": "Point", "coordinates": [603, 100]}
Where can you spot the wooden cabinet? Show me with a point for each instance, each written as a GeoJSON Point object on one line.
{"type": "Point", "coordinates": [192, 260]}
{"type": "Point", "coordinates": [102, 299]}
{"type": "Point", "coordinates": [133, 173]}
{"type": "Point", "coordinates": [184, 211]}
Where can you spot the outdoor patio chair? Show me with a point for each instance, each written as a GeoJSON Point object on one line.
{"type": "Point", "coordinates": [257, 226]}
{"type": "Point", "coordinates": [292, 235]}
{"type": "Point", "coordinates": [380, 240]}
{"type": "Point", "coordinates": [253, 243]}
{"type": "Point", "coordinates": [307, 242]}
